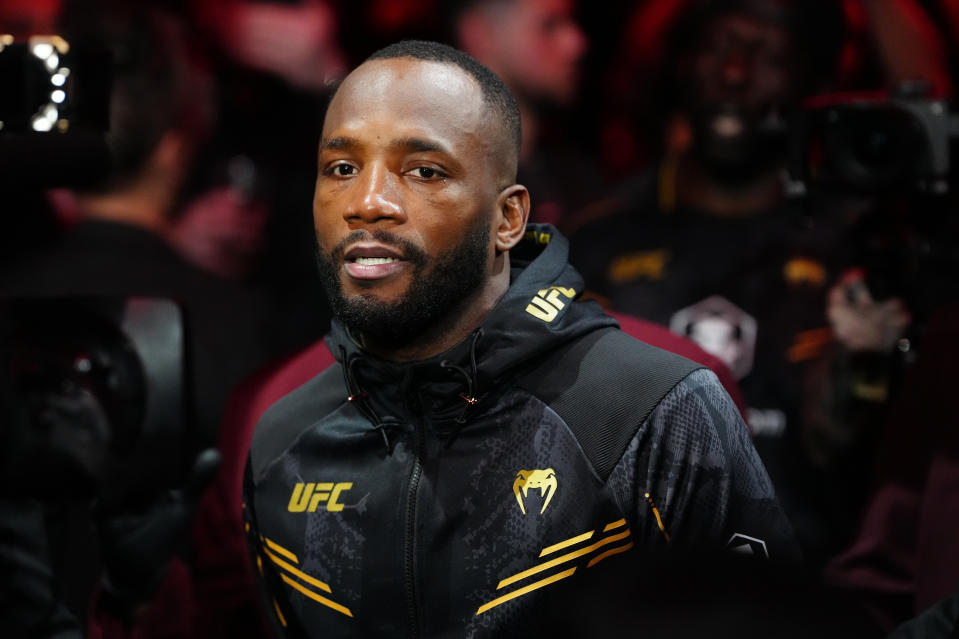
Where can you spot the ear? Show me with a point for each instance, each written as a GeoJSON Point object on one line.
{"type": "Point", "coordinates": [172, 153]}
{"type": "Point", "coordinates": [513, 208]}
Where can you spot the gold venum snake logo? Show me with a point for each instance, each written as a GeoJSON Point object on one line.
{"type": "Point", "coordinates": [544, 479]}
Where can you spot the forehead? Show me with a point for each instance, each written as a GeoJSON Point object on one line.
{"type": "Point", "coordinates": [413, 96]}
{"type": "Point", "coordinates": [749, 28]}
{"type": "Point", "coordinates": [546, 8]}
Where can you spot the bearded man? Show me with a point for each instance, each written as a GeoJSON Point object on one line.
{"type": "Point", "coordinates": [709, 245]}
{"type": "Point", "coordinates": [486, 442]}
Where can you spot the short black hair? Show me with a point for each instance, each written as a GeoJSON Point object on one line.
{"type": "Point", "coordinates": [497, 96]}
{"type": "Point", "coordinates": [816, 26]}
{"type": "Point", "coordinates": [158, 78]}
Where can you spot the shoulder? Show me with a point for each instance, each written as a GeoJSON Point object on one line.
{"type": "Point", "coordinates": [286, 419]}
{"type": "Point", "coordinates": [604, 385]}
{"type": "Point", "coordinates": [664, 338]}
{"type": "Point", "coordinates": [605, 356]}
{"type": "Point", "coordinates": [699, 409]}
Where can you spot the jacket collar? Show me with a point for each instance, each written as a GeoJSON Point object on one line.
{"type": "Point", "coordinates": [537, 313]}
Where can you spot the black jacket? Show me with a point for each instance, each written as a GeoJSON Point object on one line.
{"type": "Point", "coordinates": [465, 495]}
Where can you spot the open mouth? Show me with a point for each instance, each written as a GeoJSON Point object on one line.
{"type": "Point", "coordinates": [373, 261]}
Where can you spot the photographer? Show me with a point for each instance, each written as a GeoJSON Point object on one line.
{"type": "Point", "coordinates": [160, 111]}
{"type": "Point", "coordinates": [892, 367]}
{"type": "Point", "coordinates": [903, 559]}
{"type": "Point", "coordinates": [711, 244]}
{"type": "Point", "coordinates": [707, 243]}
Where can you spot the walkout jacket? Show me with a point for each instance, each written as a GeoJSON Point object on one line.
{"type": "Point", "coordinates": [474, 493]}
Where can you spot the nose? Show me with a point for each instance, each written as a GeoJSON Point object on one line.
{"type": "Point", "coordinates": [374, 198]}
{"type": "Point", "coordinates": [735, 69]}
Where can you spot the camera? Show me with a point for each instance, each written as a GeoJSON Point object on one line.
{"type": "Point", "coordinates": [92, 396]}
{"type": "Point", "coordinates": [872, 143]}
{"type": "Point", "coordinates": [880, 168]}
{"type": "Point", "coordinates": [54, 111]}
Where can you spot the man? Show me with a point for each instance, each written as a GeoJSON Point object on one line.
{"type": "Point", "coordinates": [903, 558]}
{"type": "Point", "coordinates": [478, 417]}
{"type": "Point", "coordinates": [160, 109]}
{"type": "Point", "coordinates": [537, 48]}
{"type": "Point", "coordinates": [710, 245]}
{"type": "Point", "coordinates": [707, 243]}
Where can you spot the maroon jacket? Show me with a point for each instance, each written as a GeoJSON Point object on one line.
{"type": "Point", "coordinates": [905, 556]}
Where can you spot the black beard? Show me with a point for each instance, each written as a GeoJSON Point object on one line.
{"type": "Point", "coordinates": [437, 286]}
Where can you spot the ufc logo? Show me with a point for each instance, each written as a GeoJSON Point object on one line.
{"type": "Point", "coordinates": [307, 497]}
{"type": "Point", "coordinates": [547, 303]}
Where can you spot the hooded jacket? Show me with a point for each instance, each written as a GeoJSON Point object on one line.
{"type": "Point", "coordinates": [469, 493]}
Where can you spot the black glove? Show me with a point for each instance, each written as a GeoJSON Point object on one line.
{"type": "Point", "coordinates": [138, 544]}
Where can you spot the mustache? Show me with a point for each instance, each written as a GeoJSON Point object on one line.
{"type": "Point", "coordinates": [410, 251]}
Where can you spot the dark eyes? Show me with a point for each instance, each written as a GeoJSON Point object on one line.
{"type": "Point", "coordinates": [421, 172]}
{"type": "Point", "coordinates": [342, 170]}
{"type": "Point", "coordinates": [425, 172]}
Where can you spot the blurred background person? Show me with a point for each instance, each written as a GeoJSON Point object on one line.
{"type": "Point", "coordinates": [275, 63]}
{"type": "Point", "coordinates": [903, 558]}
{"type": "Point", "coordinates": [161, 111]}
{"type": "Point", "coordinates": [885, 43]}
{"type": "Point", "coordinates": [538, 48]}
{"type": "Point", "coordinates": [705, 243]}
{"type": "Point", "coordinates": [297, 41]}
{"type": "Point", "coordinates": [886, 313]}
{"type": "Point", "coordinates": [892, 359]}
{"type": "Point", "coordinates": [221, 226]}
{"type": "Point", "coordinates": [709, 242]}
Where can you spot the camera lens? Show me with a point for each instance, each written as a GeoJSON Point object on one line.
{"type": "Point", "coordinates": [874, 148]}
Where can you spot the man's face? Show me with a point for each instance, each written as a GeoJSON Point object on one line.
{"type": "Point", "coordinates": [744, 62]}
{"type": "Point", "coordinates": [407, 184]}
{"type": "Point", "coordinates": [539, 49]}
{"type": "Point", "coordinates": [744, 77]}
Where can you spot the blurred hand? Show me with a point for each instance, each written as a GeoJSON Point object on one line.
{"type": "Point", "coordinates": [137, 544]}
{"type": "Point", "coordinates": [221, 230]}
{"type": "Point", "coordinates": [859, 322]}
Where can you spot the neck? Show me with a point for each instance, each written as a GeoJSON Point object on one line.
{"type": "Point", "coordinates": [698, 190]}
{"type": "Point", "coordinates": [138, 204]}
{"type": "Point", "coordinates": [451, 329]}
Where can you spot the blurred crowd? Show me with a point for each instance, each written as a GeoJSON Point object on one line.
{"type": "Point", "coordinates": [768, 179]}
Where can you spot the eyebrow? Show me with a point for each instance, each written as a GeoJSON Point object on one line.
{"type": "Point", "coordinates": [400, 144]}
{"type": "Point", "coordinates": [418, 144]}
{"type": "Point", "coordinates": [338, 144]}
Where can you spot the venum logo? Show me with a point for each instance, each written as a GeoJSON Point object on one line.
{"type": "Point", "coordinates": [547, 303]}
{"type": "Point", "coordinates": [544, 479]}
{"type": "Point", "coordinates": [306, 497]}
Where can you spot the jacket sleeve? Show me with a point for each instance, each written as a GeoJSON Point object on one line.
{"type": "Point", "coordinates": [275, 607]}
{"type": "Point", "coordinates": [695, 480]}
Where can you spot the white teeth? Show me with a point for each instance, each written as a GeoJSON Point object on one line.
{"type": "Point", "coordinates": [370, 261]}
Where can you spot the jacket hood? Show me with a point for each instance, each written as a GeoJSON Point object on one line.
{"type": "Point", "coordinates": [539, 311]}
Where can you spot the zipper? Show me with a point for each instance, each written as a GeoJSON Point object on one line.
{"type": "Point", "coordinates": [415, 475]}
